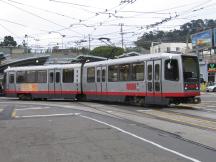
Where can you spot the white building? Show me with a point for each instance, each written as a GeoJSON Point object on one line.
{"type": "Point", "coordinates": [170, 47]}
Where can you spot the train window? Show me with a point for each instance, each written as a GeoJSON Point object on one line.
{"type": "Point", "coordinates": [103, 75]}
{"type": "Point", "coordinates": [157, 86]}
{"type": "Point", "coordinates": [171, 70]}
{"type": "Point", "coordinates": [157, 72]}
{"type": "Point", "coordinates": [58, 77]}
{"type": "Point", "coordinates": [68, 75]}
{"type": "Point", "coordinates": [51, 77]}
{"type": "Point", "coordinates": [137, 71]}
{"type": "Point", "coordinates": [30, 76]}
{"type": "Point", "coordinates": [190, 69]}
{"type": "Point", "coordinates": [20, 76]}
{"type": "Point", "coordinates": [113, 73]}
{"type": "Point", "coordinates": [150, 88]}
{"type": "Point", "coordinates": [98, 75]}
{"type": "Point", "coordinates": [42, 76]}
{"type": "Point", "coordinates": [149, 72]}
{"type": "Point", "coordinates": [11, 78]}
{"type": "Point", "coordinates": [124, 72]}
{"type": "Point", "coordinates": [91, 74]}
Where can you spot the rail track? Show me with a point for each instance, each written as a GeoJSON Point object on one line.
{"type": "Point", "coordinates": [162, 114]}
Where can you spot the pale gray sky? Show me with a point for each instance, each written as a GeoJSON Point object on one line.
{"type": "Point", "coordinates": [45, 21]}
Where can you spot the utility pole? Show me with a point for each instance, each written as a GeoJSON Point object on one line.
{"type": "Point", "coordinates": [26, 36]}
{"type": "Point", "coordinates": [89, 40]}
{"type": "Point", "coordinates": [121, 33]}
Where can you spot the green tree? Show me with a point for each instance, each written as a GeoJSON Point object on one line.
{"type": "Point", "coordinates": [181, 35]}
{"type": "Point", "coordinates": [8, 41]}
{"type": "Point", "coordinates": [107, 51]}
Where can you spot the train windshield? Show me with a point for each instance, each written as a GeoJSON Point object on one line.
{"type": "Point", "coordinates": [190, 68]}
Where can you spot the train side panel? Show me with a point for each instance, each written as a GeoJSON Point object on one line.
{"type": "Point", "coordinates": [51, 82]}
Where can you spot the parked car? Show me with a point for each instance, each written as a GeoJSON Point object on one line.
{"type": "Point", "coordinates": [211, 88]}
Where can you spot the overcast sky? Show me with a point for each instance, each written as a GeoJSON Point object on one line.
{"type": "Point", "coordinates": [48, 22]}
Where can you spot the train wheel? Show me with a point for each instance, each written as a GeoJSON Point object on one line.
{"type": "Point", "coordinates": [25, 97]}
{"type": "Point", "coordinates": [129, 100]}
{"type": "Point", "coordinates": [20, 96]}
{"type": "Point", "coordinates": [139, 101]}
{"type": "Point", "coordinates": [81, 97]}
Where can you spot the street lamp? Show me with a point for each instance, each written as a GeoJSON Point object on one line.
{"type": "Point", "coordinates": [62, 35]}
{"type": "Point", "coordinates": [26, 36]}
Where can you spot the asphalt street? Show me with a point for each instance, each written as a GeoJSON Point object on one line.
{"type": "Point", "coordinates": [67, 132]}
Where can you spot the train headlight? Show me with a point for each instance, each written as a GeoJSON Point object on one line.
{"type": "Point", "coordinates": [186, 87]}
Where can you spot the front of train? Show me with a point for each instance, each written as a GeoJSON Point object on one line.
{"type": "Point", "coordinates": [191, 75]}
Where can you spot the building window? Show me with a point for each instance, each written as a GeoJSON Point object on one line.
{"type": "Point", "coordinates": [168, 49]}
{"type": "Point", "coordinates": [68, 75]}
{"type": "Point", "coordinates": [91, 74]}
{"type": "Point", "coordinates": [177, 49]}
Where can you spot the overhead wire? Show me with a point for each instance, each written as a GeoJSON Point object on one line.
{"type": "Point", "coordinates": [12, 22]}
{"type": "Point", "coordinates": [74, 4]}
{"type": "Point", "coordinates": [44, 10]}
{"type": "Point", "coordinates": [38, 16]}
{"type": "Point", "coordinates": [116, 18]}
{"type": "Point", "coordinates": [7, 30]}
{"type": "Point", "coordinates": [33, 14]}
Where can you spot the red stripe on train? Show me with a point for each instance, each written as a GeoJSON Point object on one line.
{"type": "Point", "coordinates": [164, 94]}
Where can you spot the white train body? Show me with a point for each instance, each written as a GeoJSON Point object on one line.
{"type": "Point", "coordinates": [147, 79]}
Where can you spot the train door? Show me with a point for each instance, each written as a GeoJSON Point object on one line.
{"type": "Point", "coordinates": [55, 83]}
{"type": "Point", "coordinates": [11, 86]}
{"type": "Point", "coordinates": [101, 82]}
{"type": "Point", "coordinates": [157, 78]}
{"type": "Point", "coordinates": [58, 88]}
{"type": "Point", "coordinates": [150, 81]}
{"type": "Point", "coordinates": [154, 79]}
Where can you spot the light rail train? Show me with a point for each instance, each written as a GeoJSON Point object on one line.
{"type": "Point", "coordinates": [160, 79]}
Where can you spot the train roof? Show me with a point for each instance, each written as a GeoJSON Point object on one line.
{"type": "Point", "coordinates": [136, 58]}
{"type": "Point", "coordinates": [56, 66]}
{"type": "Point", "coordinates": [110, 62]}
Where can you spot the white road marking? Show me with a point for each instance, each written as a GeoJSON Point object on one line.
{"type": "Point", "coordinates": [33, 108]}
{"type": "Point", "coordinates": [143, 139]}
{"type": "Point", "coordinates": [144, 110]}
{"type": "Point", "coordinates": [210, 110]}
{"type": "Point", "coordinates": [109, 111]}
{"type": "Point", "coordinates": [211, 106]}
{"type": "Point", "coordinates": [198, 107]}
{"type": "Point", "coordinates": [1, 110]}
{"type": "Point", "coordinates": [50, 115]}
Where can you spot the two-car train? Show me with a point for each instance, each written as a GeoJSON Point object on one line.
{"type": "Point", "coordinates": [161, 79]}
